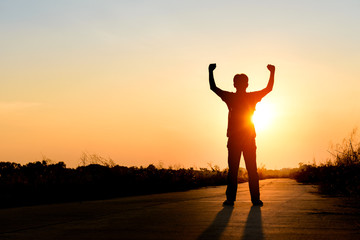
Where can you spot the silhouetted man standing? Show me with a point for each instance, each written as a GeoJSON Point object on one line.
{"type": "Point", "coordinates": [241, 131]}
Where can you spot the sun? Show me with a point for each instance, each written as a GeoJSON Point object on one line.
{"type": "Point", "coordinates": [263, 116]}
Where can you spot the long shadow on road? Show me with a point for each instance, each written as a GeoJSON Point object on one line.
{"type": "Point", "coordinates": [252, 230]}
{"type": "Point", "coordinates": [253, 227]}
{"type": "Point", "coordinates": [218, 226]}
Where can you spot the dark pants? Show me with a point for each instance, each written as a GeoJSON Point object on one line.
{"type": "Point", "coordinates": [247, 146]}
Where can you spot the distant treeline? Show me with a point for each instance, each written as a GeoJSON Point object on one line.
{"type": "Point", "coordinates": [340, 175]}
{"type": "Point", "coordinates": [40, 182]}
{"type": "Point", "coordinates": [43, 182]}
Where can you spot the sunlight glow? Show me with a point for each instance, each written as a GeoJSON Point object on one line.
{"type": "Point", "coordinates": [263, 116]}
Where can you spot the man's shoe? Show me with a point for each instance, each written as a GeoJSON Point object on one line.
{"type": "Point", "coordinates": [228, 203]}
{"type": "Point", "coordinates": [258, 203]}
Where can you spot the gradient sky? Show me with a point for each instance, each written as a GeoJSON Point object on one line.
{"type": "Point", "coordinates": [128, 79]}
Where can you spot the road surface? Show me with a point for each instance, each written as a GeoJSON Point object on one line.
{"type": "Point", "coordinates": [290, 211]}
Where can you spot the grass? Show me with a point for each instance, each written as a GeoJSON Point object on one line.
{"type": "Point", "coordinates": [44, 182]}
{"type": "Point", "coordinates": [340, 174]}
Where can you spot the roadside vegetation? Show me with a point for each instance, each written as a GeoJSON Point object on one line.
{"type": "Point", "coordinates": [41, 182]}
{"type": "Point", "coordinates": [340, 175]}
{"type": "Point", "coordinates": [44, 182]}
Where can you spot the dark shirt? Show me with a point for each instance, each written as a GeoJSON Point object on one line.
{"type": "Point", "coordinates": [241, 109]}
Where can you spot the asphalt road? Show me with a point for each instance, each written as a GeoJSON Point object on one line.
{"type": "Point", "coordinates": [291, 211]}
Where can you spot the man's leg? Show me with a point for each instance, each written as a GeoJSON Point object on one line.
{"type": "Point", "coordinates": [234, 155]}
{"type": "Point", "coordinates": [251, 167]}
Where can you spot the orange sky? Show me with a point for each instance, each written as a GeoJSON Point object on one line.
{"type": "Point", "coordinates": [129, 80]}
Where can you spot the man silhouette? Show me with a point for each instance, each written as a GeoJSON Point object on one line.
{"type": "Point", "coordinates": [241, 131]}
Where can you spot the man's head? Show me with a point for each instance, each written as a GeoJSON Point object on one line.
{"type": "Point", "coordinates": [241, 82]}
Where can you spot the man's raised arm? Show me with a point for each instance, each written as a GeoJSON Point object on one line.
{"type": "Point", "coordinates": [213, 86]}
{"type": "Point", "coordinates": [270, 84]}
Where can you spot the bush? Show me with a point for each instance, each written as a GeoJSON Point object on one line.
{"type": "Point", "coordinates": [340, 175]}
{"type": "Point", "coordinates": [99, 178]}
{"type": "Point", "coordinates": [41, 182]}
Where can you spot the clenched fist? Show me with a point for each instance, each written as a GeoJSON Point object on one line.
{"type": "Point", "coordinates": [271, 68]}
{"type": "Point", "coordinates": [212, 66]}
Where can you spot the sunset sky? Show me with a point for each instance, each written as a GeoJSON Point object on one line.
{"type": "Point", "coordinates": [128, 80]}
